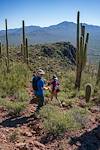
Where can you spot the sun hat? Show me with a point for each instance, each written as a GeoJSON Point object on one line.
{"type": "Point", "coordinates": [55, 77]}
{"type": "Point", "coordinates": [40, 71]}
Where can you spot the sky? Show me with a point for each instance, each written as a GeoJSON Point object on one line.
{"type": "Point", "coordinates": [48, 12]}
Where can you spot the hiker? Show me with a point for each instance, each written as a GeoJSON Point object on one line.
{"type": "Point", "coordinates": [38, 84]}
{"type": "Point", "coordinates": [54, 88]}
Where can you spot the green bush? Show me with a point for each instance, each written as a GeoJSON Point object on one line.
{"type": "Point", "coordinates": [78, 118]}
{"type": "Point", "coordinates": [22, 95]}
{"type": "Point", "coordinates": [57, 122]}
{"type": "Point", "coordinates": [13, 108]}
{"type": "Point", "coordinates": [54, 120]}
{"type": "Point", "coordinates": [68, 82]}
{"type": "Point", "coordinates": [11, 82]}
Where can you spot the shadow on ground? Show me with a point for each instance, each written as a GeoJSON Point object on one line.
{"type": "Point", "coordinates": [17, 121]}
{"type": "Point", "coordinates": [88, 141]}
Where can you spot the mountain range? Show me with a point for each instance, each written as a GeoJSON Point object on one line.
{"type": "Point", "coordinates": [65, 31]}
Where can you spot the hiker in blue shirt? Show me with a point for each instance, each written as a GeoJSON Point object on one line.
{"type": "Point", "coordinates": [38, 84]}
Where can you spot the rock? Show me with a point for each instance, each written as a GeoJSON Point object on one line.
{"type": "Point", "coordinates": [33, 132]}
{"type": "Point", "coordinates": [97, 118]}
{"type": "Point", "coordinates": [78, 143]}
{"type": "Point", "coordinates": [82, 104]}
{"type": "Point", "coordinates": [95, 109]}
{"type": "Point", "coordinates": [63, 104]}
{"type": "Point", "coordinates": [28, 134]}
{"type": "Point", "coordinates": [39, 145]}
{"type": "Point", "coordinates": [21, 146]}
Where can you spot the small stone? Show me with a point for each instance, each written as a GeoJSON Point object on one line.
{"type": "Point", "coordinates": [33, 132]}
{"type": "Point", "coordinates": [21, 146]}
{"type": "Point", "coordinates": [95, 109]}
{"type": "Point", "coordinates": [82, 104]}
{"type": "Point", "coordinates": [28, 134]}
{"type": "Point", "coordinates": [39, 145]}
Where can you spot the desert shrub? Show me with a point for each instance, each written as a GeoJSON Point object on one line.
{"type": "Point", "coordinates": [22, 95]}
{"type": "Point", "coordinates": [2, 102]}
{"type": "Point", "coordinates": [96, 91]}
{"type": "Point", "coordinates": [62, 96]}
{"type": "Point", "coordinates": [87, 78]}
{"type": "Point", "coordinates": [70, 102]}
{"type": "Point", "coordinates": [17, 79]}
{"type": "Point", "coordinates": [97, 96]}
{"type": "Point", "coordinates": [68, 98]}
{"type": "Point", "coordinates": [54, 119]}
{"type": "Point", "coordinates": [13, 108]}
{"type": "Point", "coordinates": [68, 84]}
{"type": "Point", "coordinates": [13, 137]}
{"type": "Point", "coordinates": [68, 81]}
{"type": "Point", "coordinates": [79, 117]}
{"type": "Point", "coordinates": [57, 122]}
{"type": "Point", "coordinates": [81, 93]}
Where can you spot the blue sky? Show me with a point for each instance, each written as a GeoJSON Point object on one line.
{"type": "Point", "coordinates": [48, 12]}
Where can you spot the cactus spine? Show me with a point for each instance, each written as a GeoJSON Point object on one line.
{"type": "Point", "coordinates": [98, 75]}
{"type": "Point", "coordinates": [7, 50]}
{"type": "Point", "coordinates": [27, 51]}
{"type": "Point", "coordinates": [81, 53]}
{"type": "Point", "coordinates": [88, 91]}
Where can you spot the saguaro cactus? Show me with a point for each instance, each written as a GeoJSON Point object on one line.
{"type": "Point", "coordinates": [23, 33]}
{"type": "Point", "coordinates": [88, 91]}
{"type": "Point", "coordinates": [98, 75]}
{"type": "Point", "coordinates": [81, 52]}
{"type": "Point", "coordinates": [7, 50]}
{"type": "Point", "coordinates": [21, 47]}
{"type": "Point", "coordinates": [27, 51]}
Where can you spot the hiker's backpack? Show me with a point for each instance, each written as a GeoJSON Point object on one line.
{"type": "Point", "coordinates": [34, 82]}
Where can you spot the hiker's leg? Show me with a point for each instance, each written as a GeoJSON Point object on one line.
{"type": "Point", "coordinates": [52, 96]}
{"type": "Point", "coordinates": [40, 102]}
{"type": "Point", "coordinates": [56, 96]}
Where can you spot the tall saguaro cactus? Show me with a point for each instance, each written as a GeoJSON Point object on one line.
{"type": "Point", "coordinates": [27, 51]}
{"type": "Point", "coordinates": [78, 39]}
{"type": "Point", "coordinates": [7, 50]}
{"type": "Point", "coordinates": [98, 75]}
{"type": "Point", "coordinates": [81, 52]}
{"type": "Point", "coordinates": [23, 33]}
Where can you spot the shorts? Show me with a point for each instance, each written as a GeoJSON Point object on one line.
{"type": "Point", "coordinates": [55, 91]}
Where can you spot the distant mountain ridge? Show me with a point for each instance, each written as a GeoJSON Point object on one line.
{"type": "Point", "coordinates": [65, 31]}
